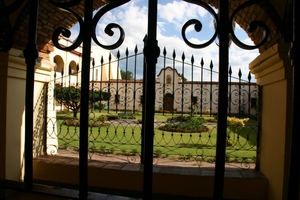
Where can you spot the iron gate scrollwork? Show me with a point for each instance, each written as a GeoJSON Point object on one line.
{"type": "Point", "coordinates": [224, 31]}
{"type": "Point", "coordinates": [253, 26]}
{"type": "Point", "coordinates": [78, 41]}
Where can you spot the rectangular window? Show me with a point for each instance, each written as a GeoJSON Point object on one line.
{"type": "Point", "coordinates": [117, 99]}
{"type": "Point", "coordinates": [254, 102]}
{"type": "Point", "coordinates": [194, 100]}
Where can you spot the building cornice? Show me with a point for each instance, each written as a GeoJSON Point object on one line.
{"type": "Point", "coordinates": [272, 65]}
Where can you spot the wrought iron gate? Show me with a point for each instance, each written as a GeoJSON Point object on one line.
{"type": "Point", "coordinates": [151, 53]}
{"type": "Point", "coordinates": [225, 33]}
{"type": "Point", "coordinates": [224, 29]}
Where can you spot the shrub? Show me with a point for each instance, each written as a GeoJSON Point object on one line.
{"type": "Point", "coordinates": [187, 119]}
{"type": "Point", "coordinates": [99, 106]}
{"type": "Point", "coordinates": [188, 124]}
{"type": "Point", "coordinates": [127, 115]}
{"type": "Point", "coordinates": [102, 118]}
{"type": "Point", "coordinates": [207, 112]}
{"type": "Point", "coordinates": [235, 124]}
{"type": "Point", "coordinates": [157, 153]}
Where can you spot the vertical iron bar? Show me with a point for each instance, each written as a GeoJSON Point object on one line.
{"type": "Point", "coordinates": [84, 110]}
{"type": "Point", "coordinates": [257, 163]}
{"type": "Point", "coordinates": [143, 105]}
{"type": "Point", "coordinates": [31, 54]}
{"type": "Point", "coordinates": [192, 85]}
{"type": "Point", "coordinates": [126, 83]}
{"type": "Point", "coordinates": [70, 72]}
{"type": "Point", "coordinates": [201, 90]}
{"type": "Point", "coordinates": [93, 84]}
{"type": "Point", "coordinates": [183, 82]}
{"type": "Point", "coordinates": [223, 33]}
{"type": "Point", "coordinates": [210, 91]}
{"type": "Point", "coordinates": [164, 81]}
{"type": "Point", "coordinates": [230, 92]}
{"type": "Point", "coordinates": [173, 83]}
{"type": "Point", "coordinates": [100, 84]}
{"type": "Point", "coordinates": [151, 52]}
{"type": "Point", "coordinates": [62, 75]}
{"type": "Point", "coordinates": [117, 99]}
{"type": "Point", "coordinates": [108, 86]}
{"type": "Point", "coordinates": [61, 86]}
{"type": "Point", "coordinates": [293, 189]}
{"type": "Point", "coordinates": [240, 93]}
{"type": "Point", "coordinates": [249, 95]}
{"type": "Point", "coordinates": [54, 81]}
{"type": "Point", "coordinates": [134, 82]}
{"type": "Point", "coordinates": [77, 71]}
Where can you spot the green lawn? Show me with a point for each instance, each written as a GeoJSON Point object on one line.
{"type": "Point", "coordinates": [126, 139]}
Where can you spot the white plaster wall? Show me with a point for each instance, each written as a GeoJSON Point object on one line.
{"type": "Point", "coordinates": [15, 128]}
{"type": "Point", "coordinates": [15, 124]}
{"type": "Point", "coordinates": [15, 116]}
{"type": "Point", "coordinates": [105, 71]}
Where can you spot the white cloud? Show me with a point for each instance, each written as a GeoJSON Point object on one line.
{"type": "Point", "coordinates": [179, 11]}
{"type": "Point", "coordinates": [132, 17]}
{"type": "Point", "coordinates": [240, 59]}
{"type": "Point", "coordinates": [176, 13]}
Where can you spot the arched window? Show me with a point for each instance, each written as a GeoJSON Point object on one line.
{"type": "Point", "coordinates": [72, 68]}
{"type": "Point", "coordinates": [59, 64]}
{"type": "Point", "coordinates": [58, 69]}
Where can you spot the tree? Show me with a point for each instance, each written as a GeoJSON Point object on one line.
{"type": "Point", "coordinates": [69, 97]}
{"type": "Point", "coordinates": [183, 78]}
{"type": "Point", "coordinates": [126, 75]}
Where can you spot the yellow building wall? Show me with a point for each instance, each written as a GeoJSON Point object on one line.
{"type": "Point", "coordinates": [131, 181]}
{"type": "Point", "coordinates": [15, 128]}
{"type": "Point", "coordinates": [273, 137]}
{"type": "Point", "coordinates": [273, 72]}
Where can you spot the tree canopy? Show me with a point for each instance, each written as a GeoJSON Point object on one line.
{"type": "Point", "coordinates": [69, 97]}
{"type": "Point", "coordinates": [183, 78]}
{"type": "Point", "coordinates": [126, 75]}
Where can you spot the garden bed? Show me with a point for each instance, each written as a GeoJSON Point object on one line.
{"type": "Point", "coordinates": [185, 124]}
{"type": "Point", "coordinates": [126, 115]}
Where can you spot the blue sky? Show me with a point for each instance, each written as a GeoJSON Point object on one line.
{"type": "Point", "coordinates": [172, 15]}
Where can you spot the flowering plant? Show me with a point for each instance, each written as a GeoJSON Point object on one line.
{"type": "Point", "coordinates": [235, 124]}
